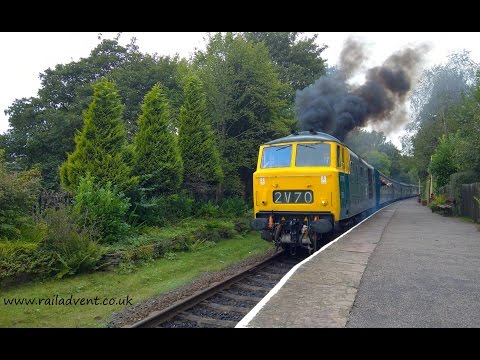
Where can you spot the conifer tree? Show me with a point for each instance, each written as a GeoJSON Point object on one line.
{"type": "Point", "coordinates": [202, 170]}
{"type": "Point", "coordinates": [157, 156]}
{"type": "Point", "coordinates": [101, 147]}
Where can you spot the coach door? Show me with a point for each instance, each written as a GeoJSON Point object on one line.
{"type": "Point", "coordinates": [343, 182]}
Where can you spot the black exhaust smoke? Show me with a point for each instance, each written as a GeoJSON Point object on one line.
{"type": "Point", "coordinates": [330, 105]}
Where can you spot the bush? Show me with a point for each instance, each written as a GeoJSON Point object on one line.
{"type": "Point", "coordinates": [158, 211]}
{"type": "Point", "coordinates": [455, 185]}
{"type": "Point", "coordinates": [242, 226]}
{"type": "Point", "coordinates": [233, 207]}
{"type": "Point", "coordinates": [102, 210]}
{"type": "Point", "coordinates": [74, 248]}
{"type": "Point", "coordinates": [214, 230]}
{"type": "Point", "coordinates": [440, 199]}
{"type": "Point", "coordinates": [208, 210]}
{"type": "Point", "coordinates": [18, 194]}
{"type": "Point", "coordinates": [459, 178]}
{"type": "Point", "coordinates": [20, 261]}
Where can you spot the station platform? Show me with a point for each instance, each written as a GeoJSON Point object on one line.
{"type": "Point", "coordinates": [402, 267]}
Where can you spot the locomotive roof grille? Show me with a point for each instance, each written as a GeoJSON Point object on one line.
{"type": "Point", "coordinates": [304, 136]}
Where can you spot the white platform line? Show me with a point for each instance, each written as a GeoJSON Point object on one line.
{"type": "Point", "coordinates": [247, 318]}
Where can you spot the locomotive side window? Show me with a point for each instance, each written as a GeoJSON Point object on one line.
{"type": "Point", "coordinates": [313, 155]}
{"type": "Point", "coordinates": [276, 156]}
{"type": "Point", "coordinates": [338, 156]}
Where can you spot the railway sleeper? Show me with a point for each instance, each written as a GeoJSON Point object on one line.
{"type": "Point", "coordinates": [274, 276]}
{"type": "Point", "coordinates": [255, 299]}
{"type": "Point", "coordinates": [202, 321]}
{"type": "Point", "coordinates": [250, 287]}
{"type": "Point", "coordinates": [225, 308]}
{"type": "Point", "coordinates": [267, 283]}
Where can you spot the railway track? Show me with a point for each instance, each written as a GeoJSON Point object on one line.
{"type": "Point", "coordinates": [225, 303]}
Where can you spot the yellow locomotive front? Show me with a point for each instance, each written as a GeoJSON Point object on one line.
{"type": "Point", "coordinates": [296, 189]}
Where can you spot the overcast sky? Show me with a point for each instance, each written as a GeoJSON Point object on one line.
{"type": "Point", "coordinates": [26, 55]}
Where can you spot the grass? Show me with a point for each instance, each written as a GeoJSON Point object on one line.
{"type": "Point", "coordinates": [143, 282]}
{"type": "Point", "coordinates": [465, 219]}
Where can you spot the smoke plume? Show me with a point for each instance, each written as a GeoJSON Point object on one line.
{"type": "Point", "coordinates": [352, 57]}
{"type": "Point", "coordinates": [330, 105]}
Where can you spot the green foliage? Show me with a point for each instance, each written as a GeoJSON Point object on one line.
{"type": "Point", "coordinates": [442, 104]}
{"type": "Point", "coordinates": [298, 61]}
{"type": "Point", "coordinates": [467, 136]}
{"type": "Point", "coordinates": [197, 143]}
{"type": "Point", "coordinates": [201, 244]}
{"type": "Point", "coordinates": [101, 146]}
{"type": "Point", "coordinates": [374, 147]}
{"type": "Point", "coordinates": [18, 194]}
{"type": "Point", "coordinates": [160, 210]}
{"type": "Point", "coordinates": [459, 178]}
{"type": "Point", "coordinates": [24, 261]}
{"type": "Point", "coordinates": [74, 249]}
{"type": "Point", "coordinates": [43, 128]}
{"type": "Point", "coordinates": [441, 87]}
{"type": "Point", "coordinates": [215, 230]}
{"type": "Point", "coordinates": [379, 160]}
{"type": "Point", "coordinates": [442, 165]}
{"type": "Point", "coordinates": [233, 207]}
{"type": "Point", "coordinates": [157, 156]}
{"type": "Point", "coordinates": [248, 103]}
{"type": "Point", "coordinates": [147, 281]}
{"type": "Point", "coordinates": [101, 210]}
{"type": "Point", "coordinates": [208, 210]}
{"type": "Point", "coordinates": [440, 199]}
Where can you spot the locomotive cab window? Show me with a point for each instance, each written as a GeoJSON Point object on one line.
{"type": "Point", "coordinates": [313, 155]}
{"type": "Point", "coordinates": [276, 156]}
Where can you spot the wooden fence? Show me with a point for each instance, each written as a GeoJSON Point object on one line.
{"type": "Point", "coordinates": [471, 207]}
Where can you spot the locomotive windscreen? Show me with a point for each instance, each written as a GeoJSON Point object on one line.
{"type": "Point", "coordinates": [313, 155]}
{"type": "Point", "coordinates": [276, 156]}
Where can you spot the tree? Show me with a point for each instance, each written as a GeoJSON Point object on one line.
{"type": "Point", "coordinates": [299, 61]}
{"type": "Point", "coordinates": [101, 147]}
{"type": "Point", "coordinates": [246, 101]}
{"type": "Point", "coordinates": [466, 140]}
{"type": "Point", "coordinates": [197, 143]}
{"type": "Point", "coordinates": [435, 106]}
{"type": "Point", "coordinates": [18, 194]}
{"type": "Point", "coordinates": [379, 160]}
{"type": "Point", "coordinates": [442, 86]}
{"type": "Point", "coordinates": [43, 128]}
{"type": "Point", "coordinates": [442, 165]}
{"type": "Point", "coordinates": [379, 152]}
{"type": "Point", "coordinates": [157, 155]}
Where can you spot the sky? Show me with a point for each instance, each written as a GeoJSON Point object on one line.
{"type": "Point", "coordinates": [26, 55]}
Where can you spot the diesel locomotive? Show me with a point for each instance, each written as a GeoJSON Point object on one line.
{"type": "Point", "coordinates": [309, 184]}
